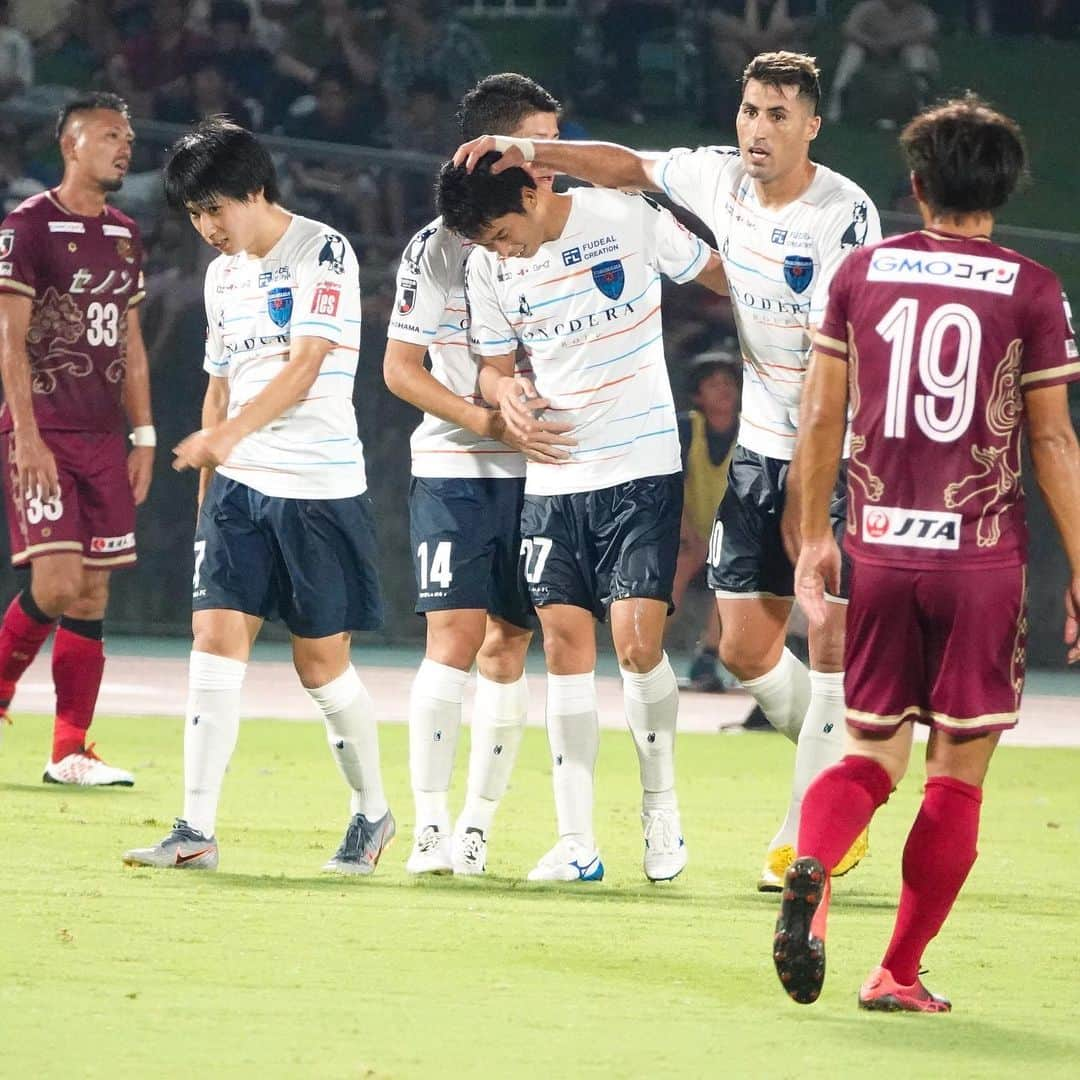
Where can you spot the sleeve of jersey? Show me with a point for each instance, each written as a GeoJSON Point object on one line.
{"type": "Point", "coordinates": [1050, 355]}
{"type": "Point", "coordinates": [831, 335]}
{"type": "Point", "coordinates": [140, 282]}
{"type": "Point", "coordinates": [676, 251]}
{"type": "Point", "coordinates": [18, 248]}
{"type": "Point", "coordinates": [490, 332]}
{"type": "Point", "coordinates": [692, 178]}
{"type": "Point", "coordinates": [420, 302]}
{"type": "Point", "coordinates": [851, 223]}
{"type": "Point", "coordinates": [325, 269]}
{"type": "Point", "coordinates": [215, 362]}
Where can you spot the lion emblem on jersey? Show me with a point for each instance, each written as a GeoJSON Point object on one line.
{"type": "Point", "coordinates": [332, 254]}
{"type": "Point", "coordinates": [855, 234]}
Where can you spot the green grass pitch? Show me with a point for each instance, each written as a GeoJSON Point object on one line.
{"type": "Point", "coordinates": [270, 969]}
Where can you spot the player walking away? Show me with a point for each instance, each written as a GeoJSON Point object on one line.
{"type": "Point", "coordinates": [75, 376]}
{"type": "Point", "coordinates": [783, 225]}
{"type": "Point", "coordinates": [575, 280]}
{"type": "Point", "coordinates": [284, 526]}
{"type": "Point", "coordinates": [464, 511]}
{"type": "Point", "coordinates": [951, 345]}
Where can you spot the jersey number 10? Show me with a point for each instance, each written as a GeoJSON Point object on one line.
{"type": "Point", "coordinates": [944, 412]}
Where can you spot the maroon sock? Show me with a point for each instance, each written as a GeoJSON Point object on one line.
{"type": "Point", "coordinates": [78, 660]}
{"type": "Point", "coordinates": [939, 854]}
{"type": "Point", "coordinates": [838, 805]}
{"type": "Point", "coordinates": [22, 633]}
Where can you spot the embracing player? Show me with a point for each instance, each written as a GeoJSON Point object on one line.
{"type": "Point", "coordinates": [783, 225]}
{"type": "Point", "coordinates": [575, 280]}
{"type": "Point", "coordinates": [75, 376]}
{"type": "Point", "coordinates": [945, 348]}
{"type": "Point", "coordinates": [285, 528]}
{"type": "Point", "coordinates": [464, 512]}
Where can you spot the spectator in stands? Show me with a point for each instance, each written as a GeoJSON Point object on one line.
{"type": "Point", "coordinates": [426, 38]}
{"type": "Point", "coordinates": [740, 29]}
{"type": "Point", "coordinates": [15, 182]}
{"type": "Point", "coordinates": [329, 33]}
{"type": "Point", "coordinates": [208, 93]}
{"type": "Point", "coordinates": [707, 434]}
{"type": "Point", "coordinates": [65, 54]}
{"type": "Point", "coordinates": [156, 63]}
{"type": "Point", "coordinates": [341, 192]}
{"type": "Point", "coordinates": [16, 57]}
{"type": "Point", "coordinates": [893, 33]}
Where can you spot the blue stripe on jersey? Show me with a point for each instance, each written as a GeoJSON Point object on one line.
{"type": "Point", "coordinates": [217, 363]}
{"type": "Point", "coordinates": [259, 382]}
{"type": "Point", "coordinates": [553, 300]}
{"type": "Point", "coordinates": [663, 180]}
{"type": "Point", "coordinates": [448, 326]}
{"type": "Point", "coordinates": [627, 442]}
{"type": "Point", "coordinates": [752, 270]}
{"type": "Point", "coordinates": [637, 415]}
{"type": "Point", "coordinates": [316, 322]}
{"type": "Point", "coordinates": [297, 464]}
{"type": "Point", "coordinates": [354, 320]}
{"type": "Point", "coordinates": [499, 341]}
{"type": "Point", "coordinates": [623, 356]}
{"type": "Point", "coordinates": [697, 255]}
{"type": "Point", "coordinates": [341, 438]}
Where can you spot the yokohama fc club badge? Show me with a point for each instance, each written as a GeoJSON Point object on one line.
{"type": "Point", "coordinates": [279, 306]}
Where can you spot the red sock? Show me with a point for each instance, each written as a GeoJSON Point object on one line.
{"type": "Point", "coordinates": [939, 854]}
{"type": "Point", "coordinates": [838, 805]}
{"type": "Point", "coordinates": [77, 664]}
{"type": "Point", "coordinates": [21, 638]}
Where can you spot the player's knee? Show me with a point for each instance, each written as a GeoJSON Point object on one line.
{"type": "Point", "coordinates": [639, 656]}
{"type": "Point", "coordinates": [454, 642]}
{"type": "Point", "coordinates": [502, 656]}
{"type": "Point", "coordinates": [58, 593]}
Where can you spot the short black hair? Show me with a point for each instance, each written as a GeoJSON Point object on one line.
{"type": "Point", "coordinates": [784, 68]}
{"type": "Point", "coordinates": [218, 159]}
{"type": "Point", "coordinates": [714, 362]}
{"type": "Point", "coordinates": [94, 99]}
{"type": "Point", "coordinates": [497, 105]}
{"type": "Point", "coordinates": [469, 202]}
{"type": "Point", "coordinates": [968, 157]}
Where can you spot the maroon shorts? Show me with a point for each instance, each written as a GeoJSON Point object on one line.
{"type": "Point", "coordinates": [947, 648]}
{"type": "Point", "coordinates": [94, 513]}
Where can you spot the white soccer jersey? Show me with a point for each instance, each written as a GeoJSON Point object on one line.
{"type": "Point", "coordinates": [429, 310]}
{"type": "Point", "coordinates": [779, 264]}
{"type": "Point", "coordinates": [586, 307]}
{"type": "Point", "coordinates": [307, 286]}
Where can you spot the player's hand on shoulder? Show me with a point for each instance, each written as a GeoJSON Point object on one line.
{"type": "Point", "coordinates": [140, 470]}
{"type": "Point", "coordinates": [205, 449]}
{"type": "Point", "coordinates": [1072, 620]}
{"type": "Point", "coordinates": [35, 467]}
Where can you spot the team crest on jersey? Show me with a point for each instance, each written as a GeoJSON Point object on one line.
{"type": "Point", "coordinates": [855, 233]}
{"type": "Point", "coordinates": [798, 272]}
{"type": "Point", "coordinates": [408, 296]}
{"type": "Point", "coordinates": [123, 249]}
{"type": "Point", "coordinates": [332, 254]}
{"type": "Point", "coordinates": [609, 277]}
{"type": "Point", "coordinates": [7, 242]}
{"type": "Point", "coordinates": [279, 306]}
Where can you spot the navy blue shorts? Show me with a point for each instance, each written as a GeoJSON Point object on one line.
{"type": "Point", "coordinates": [465, 543]}
{"type": "Point", "coordinates": [746, 551]}
{"type": "Point", "coordinates": [593, 547]}
{"type": "Point", "coordinates": [308, 562]}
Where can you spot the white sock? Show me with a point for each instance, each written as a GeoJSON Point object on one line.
{"type": "Point", "coordinates": [434, 722]}
{"type": "Point", "coordinates": [821, 744]}
{"type": "Point", "coordinates": [574, 737]}
{"type": "Point", "coordinates": [651, 701]}
{"type": "Point", "coordinates": [211, 727]}
{"type": "Point", "coordinates": [497, 727]}
{"type": "Point", "coordinates": [783, 694]}
{"type": "Point", "coordinates": [353, 736]}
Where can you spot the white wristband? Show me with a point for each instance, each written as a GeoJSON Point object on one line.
{"type": "Point", "coordinates": [143, 435]}
{"type": "Point", "coordinates": [504, 142]}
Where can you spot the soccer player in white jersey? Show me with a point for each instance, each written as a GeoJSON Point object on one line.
{"type": "Point", "coordinates": [575, 280]}
{"type": "Point", "coordinates": [783, 225]}
{"type": "Point", "coordinates": [284, 526]}
{"type": "Point", "coordinates": [464, 510]}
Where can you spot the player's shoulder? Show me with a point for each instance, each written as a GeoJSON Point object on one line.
{"type": "Point", "coordinates": [119, 220]}
{"type": "Point", "coordinates": [435, 249]}
{"type": "Point", "coordinates": [723, 161]}
{"type": "Point", "coordinates": [330, 246]}
{"type": "Point", "coordinates": [833, 192]}
{"type": "Point", "coordinates": [35, 210]}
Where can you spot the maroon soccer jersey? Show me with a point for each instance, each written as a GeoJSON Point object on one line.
{"type": "Point", "coordinates": [83, 273]}
{"type": "Point", "coordinates": [942, 335]}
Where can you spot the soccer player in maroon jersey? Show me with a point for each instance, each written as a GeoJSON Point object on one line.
{"type": "Point", "coordinates": [75, 375]}
{"type": "Point", "coordinates": [945, 347]}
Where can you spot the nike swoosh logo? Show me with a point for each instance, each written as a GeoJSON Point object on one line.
{"type": "Point", "coordinates": [181, 859]}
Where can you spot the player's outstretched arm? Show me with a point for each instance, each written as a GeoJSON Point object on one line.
{"type": "Point", "coordinates": [713, 276]}
{"type": "Point", "coordinates": [34, 462]}
{"type": "Point", "coordinates": [136, 396]}
{"type": "Point", "coordinates": [606, 165]}
{"type": "Point", "coordinates": [821, 437]}
{"type": "Point", "coordinates": [1055, 456]}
